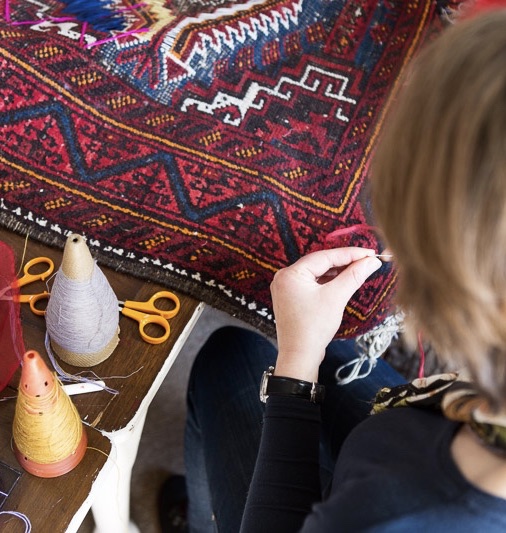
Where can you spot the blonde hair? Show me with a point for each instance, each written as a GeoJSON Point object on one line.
{"type": "Point", "coordinates": [439, 195]}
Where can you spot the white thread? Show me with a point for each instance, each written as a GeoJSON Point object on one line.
{"type": "Point", "coordinates": [21, 516]}
{"type": "Point", "coordinates": [96, 376]}
{"type": "Point", "coordinates": [370, 347]}
{"type": "Point", "coordinates": [82, 316]}
{"type": "Point", "coordinates": [65, 376]}
{"type": "Point", "coordinates": [5, 398]}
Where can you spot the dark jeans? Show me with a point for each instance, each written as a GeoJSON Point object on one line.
{"type": "Point", "coordinates": [224, 420]}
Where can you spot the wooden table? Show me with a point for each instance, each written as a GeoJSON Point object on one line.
{"type": "Point", "coordinates": [135, 369]}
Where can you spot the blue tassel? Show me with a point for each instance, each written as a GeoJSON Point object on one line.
{"type": "Point", "coordinates": [98, 13]}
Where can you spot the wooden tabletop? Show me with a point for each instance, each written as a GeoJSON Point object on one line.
{"type": "Point", "coordinates": [49, 504]}
{"type": "Point", "coordinates": [131, 370]}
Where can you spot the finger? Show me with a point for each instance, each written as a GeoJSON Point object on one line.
{"type": "Point", "coordinates": [319, 263]}
{"type": "Point", "coordinates": [330, 275]}
{"type": "Point", "coordinates": [354, 276]}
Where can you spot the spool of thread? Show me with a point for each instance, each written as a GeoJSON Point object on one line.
{"type": "Point", "coordinates": [82, 313]}
{"type": "Point", "coordinates": [48, 434]}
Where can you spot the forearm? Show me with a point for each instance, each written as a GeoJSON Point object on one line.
{"type": "Point", "coordinates": [286, 480]}
{"type": "Point", "coordinates": [309, 298]}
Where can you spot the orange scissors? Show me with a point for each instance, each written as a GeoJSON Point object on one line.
{"type": "Point", "coordinates": [148, 313]}
{"type": "Point", "coordinates": [28, 278]}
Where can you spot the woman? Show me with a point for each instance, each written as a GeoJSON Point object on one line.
{"type": "Point", "coordinates": [325, 464]}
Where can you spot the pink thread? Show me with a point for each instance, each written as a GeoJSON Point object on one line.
{"type": "Point", "coordinates": [7, 16]}
{"type": "Point", "coordinates": [7, 11]}
{"type": "Point", "coordinates": [131, 8]}
{"type": "Point", "coordinates": [62, 19]}
{"type": "Point", "coordinates": [350, 229]}
{"type": "Point", "coordinates": [27, 22]}
{"type": "Point", "coordinates": [421, 367]}
{"type": "Point", "coordinates": [83, 33]}
{"type": "Point", "coordinates": [40, 21]}
{"type": "Point", "coordinates": [339, 238]}
{"type": "Point", "coordinates": [115, 37]}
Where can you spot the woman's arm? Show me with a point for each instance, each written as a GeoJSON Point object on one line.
{"type": "Point", "coordinates": [309, 299]}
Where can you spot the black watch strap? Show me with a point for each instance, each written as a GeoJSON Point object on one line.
{"type": "Point", "coordinates": [281, 386]}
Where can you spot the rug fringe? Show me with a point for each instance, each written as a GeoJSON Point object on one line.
{"type": "Point", "coordinates": [370, 347]}
{"type": "Point", "coordinates": [56, 238]}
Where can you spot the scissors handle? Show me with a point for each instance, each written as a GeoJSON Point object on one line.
{"type": "Point", "coordinates": [150, 305]}
{"type": "Point", "coordinates": [144, 319]}
{"type": "Point", "coordinates": [30, 278]}
{"type": "Point", "coordinates": [32, 299]}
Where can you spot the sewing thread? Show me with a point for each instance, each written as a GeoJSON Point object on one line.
{"type": "Point", "coordinates": [49, 439]}
{"type": "Point", "coordinates": [82, 314]}
{"type": "Point", "coordinates": [21, 516]}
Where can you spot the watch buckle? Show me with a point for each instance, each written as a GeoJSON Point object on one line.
{"type": "Point", "coordinates": [313, 393]}
{"type": "Point", "coordinates": [263, 387]}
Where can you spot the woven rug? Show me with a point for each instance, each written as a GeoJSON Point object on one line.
{"type": "Point", "coordinates": [204, 152]}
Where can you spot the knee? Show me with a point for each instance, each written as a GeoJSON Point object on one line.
{"type": "Point", "coordinates": [231, 350]}
{"type": "Point", "coordinates": [223, 348]}
{"type": "Point", "coordinates": [225, 338]}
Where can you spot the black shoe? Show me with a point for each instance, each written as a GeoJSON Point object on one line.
{"type": "Point", "coordinates": [173, 505]}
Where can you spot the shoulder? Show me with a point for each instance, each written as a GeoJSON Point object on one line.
{"type": "Point", "coordinates": [395, 473]}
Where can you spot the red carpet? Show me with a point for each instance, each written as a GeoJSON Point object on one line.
{"type": "Point", "coordinates": [209, 152]}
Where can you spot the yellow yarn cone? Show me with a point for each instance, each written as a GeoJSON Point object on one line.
{"type": "Point", "coordinates": [82, 315]}
{"type": "Point", "coordinates": [48, 434]}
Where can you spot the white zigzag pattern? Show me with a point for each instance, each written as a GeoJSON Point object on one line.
{"type": "Point", "coordinates": [229, 36]}
{"type": "Point", "coordinates": [48, 226]}
{"type": "Point", "coordinates": [264, 24]}
{"type": "Point", "coordinates": [250, 99]}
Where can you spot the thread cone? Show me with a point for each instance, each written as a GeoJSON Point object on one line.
{"type": "Point", "coordinates": [36, 378]}
{"type": "Point", "coordinates": [77, 263]}
{"type": "Point", "coordinates": [82, 315]}
{"type": "Point", "coordinates": [49, 438]}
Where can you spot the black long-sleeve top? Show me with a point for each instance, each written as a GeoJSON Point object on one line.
{"type": "Point", "coordinates": [394, 473]}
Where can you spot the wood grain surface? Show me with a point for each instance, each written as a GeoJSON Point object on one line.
{"type": "Point", "coordinates": [50, 504]}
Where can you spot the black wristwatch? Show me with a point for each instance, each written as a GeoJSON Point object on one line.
{"type": "Point", "coordinates": [281, 386]}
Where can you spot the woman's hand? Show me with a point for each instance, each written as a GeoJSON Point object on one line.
{"type": "Point", "coordinates": [309, 298]}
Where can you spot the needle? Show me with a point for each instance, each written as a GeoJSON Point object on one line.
{"type": "Point", "coordinates": [83, 388]}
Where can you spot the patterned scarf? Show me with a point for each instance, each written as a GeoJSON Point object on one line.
{"type": "Point", "coordinates": [455, 397]}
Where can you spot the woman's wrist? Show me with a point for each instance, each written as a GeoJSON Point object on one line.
{"type": "Point", "coordinates": [303, 370]}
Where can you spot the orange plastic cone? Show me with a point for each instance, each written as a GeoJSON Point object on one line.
{"type": "Point", "coordinates": [36, 378]}
{"type": "Point", "coordinates": [49, 438]}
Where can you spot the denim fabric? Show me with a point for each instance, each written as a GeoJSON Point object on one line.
{"type": "Point", "coordinates": [224, 420]}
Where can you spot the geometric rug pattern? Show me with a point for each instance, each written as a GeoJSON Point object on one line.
{"type": "Point", "coordinates": [207, 151]}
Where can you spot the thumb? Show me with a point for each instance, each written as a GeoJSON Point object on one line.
{"type": "Point", "coordinates": [354, 276]}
